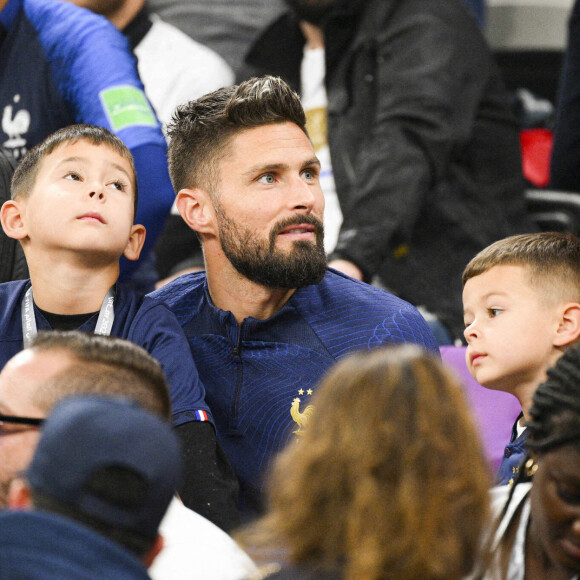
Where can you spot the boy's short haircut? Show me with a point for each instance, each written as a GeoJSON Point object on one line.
{"type": "Point", "coordinates": [201, 130]}
{"type": "Point", "coordinates": [552, 259]}
{"type": "Point", "coordinates": [27, 170]}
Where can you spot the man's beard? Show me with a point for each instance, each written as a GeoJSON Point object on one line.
{"type": "Point", "coordinates": [261, 262]}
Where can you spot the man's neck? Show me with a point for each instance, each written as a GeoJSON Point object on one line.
{"type": "Point", "coordinates": [230, 291]}
{"type": "Point", "coordinates": [61, 288]}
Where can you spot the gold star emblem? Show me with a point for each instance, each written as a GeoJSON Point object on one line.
{"type": "Point", "coordinates": [309, 392]}
{"type": "Point", "coordinates": [301, 392]}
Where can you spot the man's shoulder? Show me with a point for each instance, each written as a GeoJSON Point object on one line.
{"type": "Point", "coordinates": [182, 294]}
{"type": "Point", "coordinates": [361, 312]}
{"type": "Point", "coordinates": [339, 289]}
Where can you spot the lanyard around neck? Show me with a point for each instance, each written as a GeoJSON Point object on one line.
{"type": "Point", "coordinates": [104, 321]}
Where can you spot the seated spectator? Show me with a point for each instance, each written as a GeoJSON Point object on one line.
{"type": "Point", "coordinates": [109, 467]}
{"type": "Point", "coordinates": [537, 533]}
{"type": "Point", "coordinates": [388, 479]}
{"type": "Point", "coordinates": [521, 301]}
{"type": "Point", "coordinates": [424, 147]}
{"type": "Point", "coordinates": [59, 365]}
{"type": "Point", "coordinates": [74, 198]}
{"type": "Point", "coordinates": [267, 318]}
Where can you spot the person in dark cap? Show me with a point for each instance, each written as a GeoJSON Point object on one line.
{"type": "Point", "coordinates": [99, 484]}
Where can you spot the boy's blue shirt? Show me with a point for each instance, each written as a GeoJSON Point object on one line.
{"type": "Point", "coordinates": [144, 321]}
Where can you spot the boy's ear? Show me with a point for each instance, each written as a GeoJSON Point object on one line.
{"type": "Point", "coordinates": [11, 218]}
{"type": "Point", "coordinates": [135, 243]}
{"type": "Point", "coordinates": [197, 210]}
{"type": "Point", "coordinates": [569, 327]}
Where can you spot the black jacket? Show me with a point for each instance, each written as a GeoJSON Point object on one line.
{"type": "Point", "coordinates": [424, 147]}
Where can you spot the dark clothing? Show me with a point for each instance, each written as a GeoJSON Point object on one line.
{"type": "Point", "coordinates": [565, 164]}
{"type": "Point", "coordinates": [37, 545]}
{"type": "Point", "coordinates": [424, 147]}
{"type": "Point", "coordinates": [513, 455]}
{"type": "Point", "coordinates": [209, 485]}
{"type": "Point", "coordinates": [259, 375]}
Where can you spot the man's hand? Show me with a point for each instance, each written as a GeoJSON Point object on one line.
{"type": "Point", "coordinates": [347, 268]}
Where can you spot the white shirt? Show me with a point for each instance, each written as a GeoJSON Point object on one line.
{"type": "Point", "coordinates": [196, 549]}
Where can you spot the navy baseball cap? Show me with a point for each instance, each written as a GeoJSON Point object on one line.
{"type": "Point", "coordinates": [83, 434]}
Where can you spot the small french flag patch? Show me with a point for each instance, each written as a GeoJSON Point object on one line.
{"type": "Point", "coordinates": [201, 416]}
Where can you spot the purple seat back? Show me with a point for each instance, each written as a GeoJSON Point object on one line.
{"type": "Point", "coordinates": [495, 411]}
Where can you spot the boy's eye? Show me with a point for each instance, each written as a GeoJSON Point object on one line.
{"type": "Point", "coordinates": [121, 186]}
{"type": "Point", "coordinates": [72, 175]}
{"type": "Point", "coordinates": [493, 312]}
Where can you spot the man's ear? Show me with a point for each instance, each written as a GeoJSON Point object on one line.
{"type": "Point", "coordinates": [197, 210]}
{"type": "Point", "coordinates": [19, 496]}
{"type": "Point", "coordinates": [11, 218]}
{"type": "Point", "coordinates": [569, 327]}
{"type": "Point", "coordinates": [135, 243]}
{"type": "Point", "coordinates": [153, 551]}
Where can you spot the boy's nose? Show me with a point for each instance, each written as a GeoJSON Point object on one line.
{"type": "Point", "coordinates": [470, 332]}
{"type": "Point", "coordinates": [97, 194]}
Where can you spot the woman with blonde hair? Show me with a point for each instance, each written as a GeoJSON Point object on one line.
{"type": "Point", "coordinates": [388, 480]}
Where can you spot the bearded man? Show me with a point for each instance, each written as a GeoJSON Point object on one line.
{"type": "Point", "coordinates": [267, 318]}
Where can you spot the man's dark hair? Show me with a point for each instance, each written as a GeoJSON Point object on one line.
{"type": "Point", "coordinates": [201, 130]}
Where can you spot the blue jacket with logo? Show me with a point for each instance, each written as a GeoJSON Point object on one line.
{"type": "Point", "coordinates": [259, 376]}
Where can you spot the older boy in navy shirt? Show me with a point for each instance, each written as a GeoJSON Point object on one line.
{"type": "Point", "coordinates": [74, 198]}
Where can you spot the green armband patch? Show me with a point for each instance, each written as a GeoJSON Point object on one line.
{"type": "Point", "coordinates": [127, 106]}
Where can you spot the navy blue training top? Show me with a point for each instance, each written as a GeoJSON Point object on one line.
{"type": "Point", "coordinates": [259, 376]}
{"type": "Point", "coordinates": [144, 321]}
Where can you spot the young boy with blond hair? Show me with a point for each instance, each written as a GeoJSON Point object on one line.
{"type": "Point", "coordinates": [73, 202]}
{"type": "Point", "coordinates": [521, 300]}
